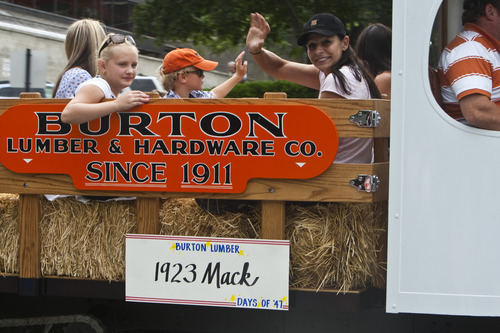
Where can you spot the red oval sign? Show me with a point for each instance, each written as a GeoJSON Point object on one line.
{"type": "Point", "coordinates": [175, 148]}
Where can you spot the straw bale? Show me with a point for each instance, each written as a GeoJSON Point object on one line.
{"type": "Point", "coordinates": [85, 240]}
{"type": "Point", "coordinates": [332, 246]}
{"type": "Point", "coordinates": [183, 217]}
{"type": "Point", "coordinates": [335, 245]}
{"type": "Point", "coordinates": [9, 233]}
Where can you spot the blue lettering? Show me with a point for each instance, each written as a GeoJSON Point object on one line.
{"type": "Point", "coordinates": [224, 248]}
{"type": "Point", "coordinates": [248, 302]}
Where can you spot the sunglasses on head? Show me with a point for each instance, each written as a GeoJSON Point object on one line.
{"type": "Point", "coordinates": [116, 39]}
{"type": "Point", "coordinates": [199, 72]}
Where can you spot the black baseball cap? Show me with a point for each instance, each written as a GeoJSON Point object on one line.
{"type": "Point", "coordinates": [323, 24]}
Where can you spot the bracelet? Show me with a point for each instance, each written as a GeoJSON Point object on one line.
{"type": "Point", "coordinates": [255, 52]}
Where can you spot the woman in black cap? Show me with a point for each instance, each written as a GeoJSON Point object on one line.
{"type": "Point", "coordinates": [335, 70]}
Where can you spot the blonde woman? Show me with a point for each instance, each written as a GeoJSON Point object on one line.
{"type": "Point", "coordinates": [83, 38]}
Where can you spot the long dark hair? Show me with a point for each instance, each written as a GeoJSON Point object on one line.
{"type": "Point", "coordinates": [374, 48]}
{"type": "Point", "coordinates": [358, 69]}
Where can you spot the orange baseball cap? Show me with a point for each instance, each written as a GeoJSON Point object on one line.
{"type": "Point", "coordinates": [182, 58]}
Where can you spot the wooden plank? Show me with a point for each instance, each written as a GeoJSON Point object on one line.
{"type": "Point", "coordinates": [153, 94]}
{"type": "Point", "coordinates": [273, 219]}
{"type": "Point", "coordinates": [381, 150]}
{"type": "Point", "coordinates": [30, 95]}
{"type": "Point", "coordinates": [273, 212]}
{"type": "Point", "coordinates": [275, 95]}
{"type": "Point", "coordinates": [332, 185]}
{"type": "Point", "coordinates": [339, 110]}
{"type": "Point", "coordinates": [10, 102]}
{"type": "Point", "coordinates": [148, 215]}
{"type": "Point", "coordinates": [29, 236]}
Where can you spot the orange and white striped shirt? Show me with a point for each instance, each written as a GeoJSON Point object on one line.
{"type": "Point", "coordinates": [470, 64]}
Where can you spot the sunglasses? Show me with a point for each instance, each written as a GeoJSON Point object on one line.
{"type": "Point", "coordinates": [116, 39]}
{"type": "Point", "coordinates": [199, 72]}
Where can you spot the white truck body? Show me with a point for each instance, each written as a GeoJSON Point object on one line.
{"type": "Point", "coordinates": [444, 223]}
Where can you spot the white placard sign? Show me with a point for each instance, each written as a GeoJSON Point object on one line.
{"type": "Point", "coordinates": [224, 272]}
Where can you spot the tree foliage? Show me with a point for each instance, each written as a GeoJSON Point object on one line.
{"type": "Point", "coordinates": [257, 89]}
{"type": "Point", "coordinates": [223, 24]}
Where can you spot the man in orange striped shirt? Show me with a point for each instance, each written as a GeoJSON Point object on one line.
{"type": "Point", "coordinates": [469, 68]}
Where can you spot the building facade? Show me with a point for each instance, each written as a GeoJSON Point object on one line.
{"type": "Point", "coordinates": [113, 13]}
{"type": "Point", "coordinates": [25, 29]}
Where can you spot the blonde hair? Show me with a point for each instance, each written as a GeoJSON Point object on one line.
{"type": "Point", "coordinates": [83, 38]}
{"type": "Point", "coordinates": [107, 52]}
{"type": "Point", "coordinates": [168, 80]}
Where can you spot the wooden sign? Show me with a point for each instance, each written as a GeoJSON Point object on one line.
{"type": "Point", "coordinates": [175, 148]}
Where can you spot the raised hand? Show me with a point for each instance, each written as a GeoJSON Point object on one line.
{"type": "Point", "coordinates": [259, 29]}
{"type": "Point", "coordinates": [241, 66]}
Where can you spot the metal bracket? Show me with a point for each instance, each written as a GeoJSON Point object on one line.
{"type": "Point", "coordinates": [365, 183]}
{"type": "Point", "coordinates": [366, 118]}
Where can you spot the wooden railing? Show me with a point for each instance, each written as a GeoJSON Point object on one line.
{"type": "Point", "coordinates": [331, 186]}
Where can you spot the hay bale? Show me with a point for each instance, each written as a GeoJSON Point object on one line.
{"type": "Point", "coordinates": [9, 233]}
{"type": "Point", "coordinates": [332, 246]}
{"type": "Point", "coordinates": [183, 217]}
{"type": "Point", "coordinates": [85, 240]}
{"type": "Point", "coordinates": [335, 245]}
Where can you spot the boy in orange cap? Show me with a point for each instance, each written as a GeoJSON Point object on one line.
{"type": "Point", "coordinates": [182, 75]}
